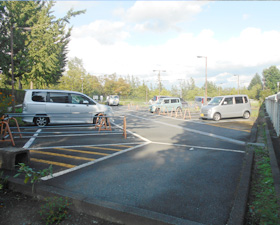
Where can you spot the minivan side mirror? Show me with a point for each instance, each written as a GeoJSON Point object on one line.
{"type": "Point", "coordinates": [225, 103]}
{"type": "Point", "coordinates": [85, 102]}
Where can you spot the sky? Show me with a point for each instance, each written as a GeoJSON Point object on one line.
{"type": "Point", "coordinates": [145, 38]}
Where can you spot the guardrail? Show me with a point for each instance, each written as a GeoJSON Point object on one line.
{"type": "Point", "coordinates": [272, 105]}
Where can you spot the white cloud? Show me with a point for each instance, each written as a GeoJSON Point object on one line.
{"type": "Point", "coordinates": [161, 15]}
{"type": "Point", "coordinates": [103, 31]}
{"type": "Point", "coordinates": [253, 48]}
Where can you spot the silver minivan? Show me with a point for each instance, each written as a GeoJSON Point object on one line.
{"type": "Point", "coordinates": [227, 107]}
{"type": "Point", "coordinates": [166, 104]}
{"type": "Point", "coordinates": [42, 107]}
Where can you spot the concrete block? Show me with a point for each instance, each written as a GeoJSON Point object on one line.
{"type": "Point", "coordinates": [11, 156]}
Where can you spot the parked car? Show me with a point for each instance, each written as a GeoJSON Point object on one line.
{"type": "Point", "coordinates": [157, 98]}
{"type": "Point", "coordinates": [166, 104]}
{"type": "Point", "coordinates": [199, 100]}
{"type": "Point", "coordinates": [113, 100]}
{"type": "Point", "coordinates": [227, 107]}
{"type": "Point", "coordinates": [43, 107]}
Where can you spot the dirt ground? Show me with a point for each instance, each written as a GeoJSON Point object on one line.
{"type": "Point", "coordinates": [19, 209]}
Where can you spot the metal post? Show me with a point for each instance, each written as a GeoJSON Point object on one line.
{"type": "Point", "coordinates": [12, 65]}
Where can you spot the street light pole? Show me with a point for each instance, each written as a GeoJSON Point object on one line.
{"type": "Point", "coordinates": [205, 102]}
{"type": "Point", "coordinates": [159, 83]}
{"type": "Point", "coordinates": [237, 82]}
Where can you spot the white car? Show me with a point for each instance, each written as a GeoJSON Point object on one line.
{"type": "Point", "coordinates": [43, 107]}
{"type": "Point", "coordinates": [113, 100]}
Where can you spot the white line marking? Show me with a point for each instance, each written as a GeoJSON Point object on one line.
{"type": "Point", "coordinates": [196, 131]}
{"type": "Point", "coordinates": [192, 147]}
{"type": "Point", "coordinates": [72, 135]}
{"type": "Point", "coordinates": [83, 146]}
{"type": "Point", "coordinates": [31, 140]}
{"type": "Point", "coordinates": [91, 163]}
{"type": "Point", "coordinates": [137, 135]}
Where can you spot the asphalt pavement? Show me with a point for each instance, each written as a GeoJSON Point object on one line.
{"type": "Point", "coordinates": [177, 172]}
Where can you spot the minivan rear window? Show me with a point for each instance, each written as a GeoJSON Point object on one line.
{"type": "Point", "coordinates": [39, 96]}
{"type": "Point", "coordinates": [174, 100]}
{"type": "Point", "coordinates": [239, 100]}
{"type": "Point", "coordinates": [58, 97]}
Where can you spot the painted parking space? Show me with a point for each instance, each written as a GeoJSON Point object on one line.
{"type": "Point", "coordinates": [71, 156]}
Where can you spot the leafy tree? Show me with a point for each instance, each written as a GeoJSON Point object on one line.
{"type": "Point", "coordinates": [40, 41]}
{"type": "Point", "coordinates": [271, 76]}
{"type": "Point", "coordinates": [256, 80]}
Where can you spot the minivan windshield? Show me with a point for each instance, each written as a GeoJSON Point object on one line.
{"type": "Point", "coordinates": [215, 101]}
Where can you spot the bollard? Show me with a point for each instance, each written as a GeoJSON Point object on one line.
{"type": "Point", "coordinates": [186, 113]}
{"type": "Point", "coordinates": [124, 127]}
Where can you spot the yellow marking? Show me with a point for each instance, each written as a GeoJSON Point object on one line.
{"type": "Point", "coordinates": [110, 149]}
{"type": "Point", "coordinates": [53, 163]}
{"type": "Point", "coordinates": [216, 125]}
{"type": "Point", "coordinates": [62, 155]}
{"type": "Point", "coordinates": [81, 151]}
{"type": "Point", "coordinates": [124, 146]}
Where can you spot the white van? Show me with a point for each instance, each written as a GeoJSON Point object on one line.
{"type": "Point", "coordinates": [227, 107]}
{"type": "Point", "coordinates": [166, 104]}
{"type": "Point", "coordinates": [57, 107]}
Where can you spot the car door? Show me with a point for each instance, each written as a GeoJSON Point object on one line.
{"type": "Point", "coordinates": [82, 109]}
{"type": "Point", "coordinates": [227, 108]}
{"type": "Point", "coordinates": [239, 106]}
{"type": "Point", "coordinates": [58, 107]}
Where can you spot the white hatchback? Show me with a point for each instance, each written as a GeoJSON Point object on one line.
{"type": "Point", "coordinates": [42, 107]}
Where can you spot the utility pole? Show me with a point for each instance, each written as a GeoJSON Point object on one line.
{"type": "Point", "coordinates": [159, 83]}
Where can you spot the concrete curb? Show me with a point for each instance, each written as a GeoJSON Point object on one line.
{"type": "Point", "coordinates": [238, 211]}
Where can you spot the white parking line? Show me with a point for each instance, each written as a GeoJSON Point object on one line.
{"type": "Point", "coordinates": [31, 140]}
{"type": "Point", "coordinates": [193, 147]}
{"type": "Point", "coordinates": [196, 131]}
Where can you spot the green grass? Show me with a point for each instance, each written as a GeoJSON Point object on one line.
{"type": "Point", "coordinates": [262, 207]}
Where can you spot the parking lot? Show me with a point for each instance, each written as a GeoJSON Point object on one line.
{"type": "Point", "coordinates": [167, 169]}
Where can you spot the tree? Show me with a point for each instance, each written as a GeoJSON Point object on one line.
{"type": "Point", "coordinates": [256, 80]}
{"type": "Point", "coordinates": [40, 41]}
{"type": "Point", "coordinates": [271, 77]}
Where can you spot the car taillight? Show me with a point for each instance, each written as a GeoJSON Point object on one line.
{"type": "Point", "coordinates": [202, 101]}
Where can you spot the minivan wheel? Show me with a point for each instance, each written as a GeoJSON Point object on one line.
{"type": "Point", "coordinates": [246, 115]}
{"type": "Point", "coordinates": [217, 116]}
{"type": "Point", "coordinates": [41, 121]}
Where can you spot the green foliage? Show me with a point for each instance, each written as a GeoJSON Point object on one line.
{"type": "Point", "coordinates": [264, 209]}
{"type": "Point", "coordinates": [3, 180]}
{"type": "Point", "coordinates": [5, 102]}
{"type": "Point", "coordinates": [255, 81]}
{"type": "Point", "coordinates": [39, 41]}
{"type": "Point", "coordinates": [55, 210]}
{"type": "Point", "coordinates": [31, 175]}
{"type": "Point", "coordinates": [271, 76]}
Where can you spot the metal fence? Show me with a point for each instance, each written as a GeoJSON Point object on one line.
{"type": "Point", "coordinates": [272, 105]}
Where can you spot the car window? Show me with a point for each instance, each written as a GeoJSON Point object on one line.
{"type": "Point", "coordinates": [174, 100]}
{"type": "Point", "coordinates": [58, 97]}
{"type": "Point", "coordinates": [39, 96]}
{"type": "Point", "coordinates": [215, 101]}
{"type": "Point", "coordinates": [245, 99]}
{"type": "Point", "coordinates": [166, 101]}
{"type": "Point", "coordinates": [228, 101]}
{"type": "Point", "coordinates": [80, 99]}
{"type": "Point", "coordinates": [239, 100]}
